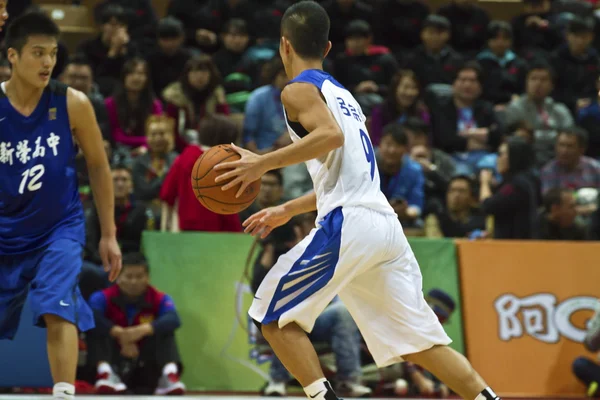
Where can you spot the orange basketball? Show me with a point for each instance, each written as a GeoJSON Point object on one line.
{"type": "Point", "coordinates": [209, 193]}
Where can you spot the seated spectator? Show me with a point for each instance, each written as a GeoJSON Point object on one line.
{"type": "Point", "coordinates": [504, 71]}
{"type": "Point", "coordinates": [264, 123]}
{"type": "Point", "coordinates": [463, 124]}
{"type": "Point", "coordinates": [364, 67]}
{"type": "Point", "coordinates": [536, 31]}
{"type": "Point", "coordinates": [469, 22]}
{"type": "Point", "coordinates": [235, 38]}
{"type": "Point", "coordinates": [181, 210]}
{"type": "Point", "coordinates": [403, 101]}
{"type": "Point", "coordinates": [558, 219]}
{"type": "Point", "coordinates": [434, 61]}
{"type": "Point", "coordinates": [514, 203]}
{"type": "Point", "coordinates": [131, 219]}
{"type": "Point", "coordinates": [588, 118]}
{"type": "Point", "coordinates": [131, 105]}
{"type": "Point", "coordinates": [577, 65]}
{"type": "Point", "coordinates": [78, 74]}
{"type": "Point", "coordinates": [438, 167]}
{"type": "Point", "coordinates": [5, 70]}
{"type": "Point", "coordinates": [167, 61]}
{"type": "Point", "coordinates": [133, 344]}
{"type": "Point", "coordinates": [200, 29]}
{"type": "Point", "coordinates": [342, 13]}
{"type": "Point", "coordinates": [197, 94]}
{"type": "Point", "coordinates": [334, 326]}
{"type": "Point", "coordinates": [150, 169]}
{"type": "Point", "coordinates": [540, 111]}
{"type": "Point", "coordinates": [402, 179]}
{"type": "Point", "coordinates": [110, 50]}
{"type": "Point", "coordinates": [399, 24]}
{"type": "Point", "coordinates": [460, 217]}
{"type": "Point", "coordinates": [571, 169]}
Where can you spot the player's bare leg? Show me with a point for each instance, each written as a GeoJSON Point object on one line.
{"type": "Point", "coordinates": [296, 352]}
{"type": "Point", "coordinates": [454, 370]}
{"type": "Point", "coordinates": [62, 355]}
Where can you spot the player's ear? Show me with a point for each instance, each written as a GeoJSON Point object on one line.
{"type": "Point", "coordinates": [12, 55]}
{"type": "Point", "coordinates": [327, 49]}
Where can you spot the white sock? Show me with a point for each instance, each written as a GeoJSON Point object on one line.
{"type": "Point", "coordinates": [63, 391]}
{"type": "Point", "coordinates": [487, 394]}
{"type": "Point", "coordinates": [318, 389]}
{"type": "Point", "coordinates": [170, 368]}
{"type": "Point", "coordinates": [104, 368]}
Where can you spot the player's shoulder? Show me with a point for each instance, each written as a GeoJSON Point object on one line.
{"type": "Point", "coordinates": [57, 88]}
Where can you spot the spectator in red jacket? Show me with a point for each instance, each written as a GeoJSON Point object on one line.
{"type": "Point", "coordinates": [133, 343]}
{"type": "Point", "coordinates": [181, 210]}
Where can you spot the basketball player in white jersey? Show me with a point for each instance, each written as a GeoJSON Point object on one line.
{"type": "Point", "coordinates": [358, 250]}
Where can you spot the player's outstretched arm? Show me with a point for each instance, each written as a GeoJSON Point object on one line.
{"type": "Point", "coordinates": [86, 130]}
{"type": "Point", "coordinates": [304, 104]}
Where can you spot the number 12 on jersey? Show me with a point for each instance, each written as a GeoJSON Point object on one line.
{"type": "Point", "coordinates": [32, 175]}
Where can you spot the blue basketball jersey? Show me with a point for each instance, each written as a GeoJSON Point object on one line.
{"type": "Point", "coordinates": [39, 196]}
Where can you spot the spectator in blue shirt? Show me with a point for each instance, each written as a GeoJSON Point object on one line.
{"type": "Point", "coordinates": [133, 343]}
{"type": "Point", "coordinates": [264, 122]}
{"type": "Point", "coordinates": [402, 179]}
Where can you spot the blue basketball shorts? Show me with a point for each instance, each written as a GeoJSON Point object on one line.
{"type": "Point", "coordinates": [50, 275]}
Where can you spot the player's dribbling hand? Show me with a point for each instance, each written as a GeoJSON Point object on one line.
{"type": "Point", "coordinates": [110, 253]}
{"type": "Point", "coordinates": [264, 221]}
{"type": "Point", "coordinates": [244, 171]}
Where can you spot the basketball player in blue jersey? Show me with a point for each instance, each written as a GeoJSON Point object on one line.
{"type": "Point", "coordinates": [42, 123]}
{"type": "Point", "coordinates": [359, 250]}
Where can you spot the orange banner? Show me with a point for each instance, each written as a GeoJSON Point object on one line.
{"type": "Point", "coordinates": [525, 309]}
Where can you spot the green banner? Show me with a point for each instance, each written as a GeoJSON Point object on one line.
{"type": "Point", "coordinates": [204, 273]}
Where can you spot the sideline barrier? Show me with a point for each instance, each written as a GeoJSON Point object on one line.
{"type": "Point", "coordinates": [525, 308]}
{"type": "Point", "coordinates": [203, 274]}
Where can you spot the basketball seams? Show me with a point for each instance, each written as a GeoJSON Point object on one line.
{"type": "Point", "coordinates": [198, 178]}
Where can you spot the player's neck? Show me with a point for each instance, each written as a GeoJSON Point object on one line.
{"type": "Point", "coordinates": [302, 65]}
{"type": "Point", "coordinates": [23, 95]}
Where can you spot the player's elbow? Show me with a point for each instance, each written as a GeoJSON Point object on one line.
{"type": "Point", "coordinates": [336, 138]}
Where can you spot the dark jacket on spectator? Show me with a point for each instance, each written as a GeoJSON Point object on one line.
{"type": "Point", "coordinates": [533, 41]}
{"type": "Point", "coordinates": [588, 118]}
{"type": "Point", "coordinates": [341, 18]}
{"type": "Point", "coordinates": [469, 24]}
{"type": "Point", "coordinates": [165, 69]}
{"type": "Point", "coordinates": [434, 69]}
{"type": "Point", "coordinates": [378, 66]}
{"type": "Point", "coordinates": [146, 182]}
{"type": "Point", "coordinates": [548, 230]}
{"type": "Point", "coordinates": [575, 76]}
{"type": "Point", "coordinates": [398, 23]}
{"type": "Point", "coordinates": [502, 77]}
{"type": "Point", "coordinates": [444, 123]}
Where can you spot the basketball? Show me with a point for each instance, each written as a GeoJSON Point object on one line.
{"type": "Point", "coordinates": [209, 193]}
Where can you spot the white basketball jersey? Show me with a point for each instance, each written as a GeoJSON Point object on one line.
{"type": "Point", "coordinates": [347, 176]}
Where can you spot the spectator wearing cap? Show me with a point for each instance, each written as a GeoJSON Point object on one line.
{"type": "Point", "coordinates": [536, 33]}
{"type": "Point", "coordinates": [437, 166]}
{"type": "Point", "coordinates": [402, 179]}
{"type": "Point", "coordinates": [460, 217]}
{"type": "Point", "coordinates": [469, 22]}
{"type": "Point", "coordinates": [588, 118]}
{"type": "Point", "coordinates": [577, 65]}
{"type": "Point", "coordinates": [558, 219]}
{"type": "Point", "coordinates": [514, 204]}
{"type": "Point", "coordinates": [364, 67]}
{"type": "Point", "coordinates": [168, 59]}
{"type": "Point", "coordinates": [503, 71]}
{"type": "Point", "coordinates": [342, 13]}
{"type": "Point", "coordinates": [546, 116]}
{"type": "Point", "coordinates": [399, 24]}
{"type": "Point", "coordinates": [570, 169]}
{"type": "Point", "coordinates": [463, 124]}
{"type": "Point", "coordinates": [435, 61]}
{"type": "Point", "coordinates": [109, 51]}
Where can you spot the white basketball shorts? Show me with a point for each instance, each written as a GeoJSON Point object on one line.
{"type": "Point", "coordinates": [363, 256]}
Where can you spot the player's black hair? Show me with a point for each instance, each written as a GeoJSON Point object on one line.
{"type": "Point", "coordinates": [277, 174]}
{"type": "Point", "coordinates": [553, 197]}
{"type": "Point", "coordinates": [135, 259]}
{"type": "Point", "coordinates": [495, 28]}
{"type": "Point", "coordinates": [170, 28]}
{"type": "Point", "coordinates": [397, 132]}
{"type": "Point", "coordinates": [306, 26]}
{"type": "Point", "coordinates": [30, 24]}
{"type": "Point", "coordinates": [580, 25]}
{"type": "Point", "coordinates": [437, 22]}
{"type": "Point", "coordinates": [579, 133]}
{"type": "Point", "coordinates": [417, 126]}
